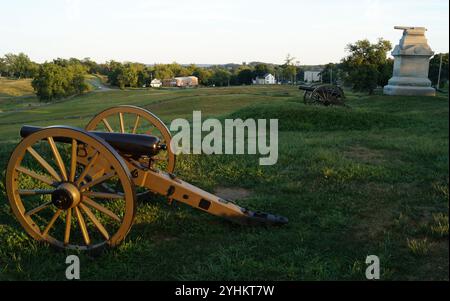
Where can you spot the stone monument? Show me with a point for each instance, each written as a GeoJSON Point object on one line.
{"type": "Point", "coordinates": [411, 64]}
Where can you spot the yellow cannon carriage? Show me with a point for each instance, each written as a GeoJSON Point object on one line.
{"type": "Point", "coordinates": [77, 188]}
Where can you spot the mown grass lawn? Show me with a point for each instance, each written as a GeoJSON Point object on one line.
{"type": "Point", "coordinates": [372, 179]}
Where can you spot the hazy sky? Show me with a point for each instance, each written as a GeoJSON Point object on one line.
{"type": "Point", "coordinates": [210, 31]}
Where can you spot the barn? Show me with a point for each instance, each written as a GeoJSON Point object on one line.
{"type": "Point", "coordinates": [181, 82]}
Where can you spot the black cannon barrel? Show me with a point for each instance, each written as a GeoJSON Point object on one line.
{"type": "Point", "coordinates": [307, 88]}
{"type": "Point", "coordinates": [135, 145]}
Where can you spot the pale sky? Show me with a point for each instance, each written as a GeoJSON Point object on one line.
{"type": "Point", "coordinates": [210, 31]}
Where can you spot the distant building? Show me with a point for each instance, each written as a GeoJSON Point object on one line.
{"type": "Point", "coordinates": [169, 82]}
{"type": "Point", "coordinates": [185, 81]}
{"type": "Point", "coordinates": [312, 76]}
{"type": "Point", "coordinates": [156, 83]}
{"type": "Point", "coordinates": [267, 79]}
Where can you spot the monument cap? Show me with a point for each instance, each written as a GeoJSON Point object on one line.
{"type": "Point", "coordinates": [412, 29]}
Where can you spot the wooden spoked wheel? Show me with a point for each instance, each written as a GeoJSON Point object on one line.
{"type": "Point", "coordinates": [52, 184]}
{"type": "Point", "coordinates": [307, 97]}
{"type": "Point", "coordinates": [327, 95]}
{"type": "Point", "coordinates": [135, 120]}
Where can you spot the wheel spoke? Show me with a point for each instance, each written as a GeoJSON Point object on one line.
{"type": "Point", "coordinates": [149, 132]}
{"type": "Point", "coordinates": [158, 159]}
{"type": "Point", "coordinates": [107, 125]}
{"type": "Point", "coordinates": [68, 225]}
{"type": "Point", "coordinates": [35, 175]}
{"type": "Point", "coordinates": [100, 208]}
{"type": "Point", "coordinates": [73, 160]}
{"type": "Point", "coordinates": [35, 191]}
{"type": "Point", "coordinates": [52, 222]}
{"type": "Point", "coordinates": [136, 123]}
{"type": "Point", "coordinates": [97, 181]}
{"type": "Point", "coordinates": [38, 208]}
{"type": "Point", "coordinates": [87, 168]}
{"type": "Point", "coordinates": [103, 195]}
{"type": "Point", "coordinates": [83, 228]}
{"type": "Point", "coordinates": [58, 158]}
{"type": "Point", "coordinates": [44, 164]}
{"type": "Point", "coordinates": [95, 221]}
{"type": "Point", "coordinates": [122, 127]}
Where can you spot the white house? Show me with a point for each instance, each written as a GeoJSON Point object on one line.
{"type": "Point", "coordinates": [156, 83]}
{"type": "Point", "coordinates": [312, 76]}
{"type": "Point", "coordinates": [267, 79]}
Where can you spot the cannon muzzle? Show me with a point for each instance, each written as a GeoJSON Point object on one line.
{"type": "Point", "coordinates": [262, 218]}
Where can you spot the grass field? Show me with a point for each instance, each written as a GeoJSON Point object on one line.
{"type": "Point", "coordinates": [14, 87]}
{"type": "Point", "coordinates": [372, 179]}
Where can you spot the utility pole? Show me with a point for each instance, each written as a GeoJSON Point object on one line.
{"type": "Point", "coordinates": [439, 75]}
{"type": "Point", "coordinates": [331, 75]}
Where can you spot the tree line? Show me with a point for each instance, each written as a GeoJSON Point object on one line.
{"type": "Point", "coordinates": [365, 68]}
{"type": "Point", "coordinates": [139, 75]}
{"type": "Point", "coordinates": [17, 66]}
{"type": "Point", "coordinates": [65, 77]}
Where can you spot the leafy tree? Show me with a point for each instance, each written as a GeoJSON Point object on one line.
{"type": "Point", "coordinates": [233, 78]}
{"type": "Point", "coordinates": [245, 76]}
{"type": "Point", "coordinates": [140, 71]}
{"type": "Point", "coordinates": [330, 73]}
{"type": "Point", "coordinates": [278, 72]}
{"type": "Point", "coordinates": [3, 67]}
{"type": "Point", "coordinates": [144, 76]}
{"type": "Point", "coordinates": [76, 79]}
{"type": "Point", "coordinates": [203, 74]}
{"type": "Point", "coordinates": [289, 70]}
{"type": "Point", "coordinates": [49, 82]}
{"type": "Point", "coordinates": [299, 74]}
{"type": "Point", "coordinates": [262, 69]}
{"type": "Point", "coordinates": [385, 72]}
{"type": "Point", "coordinates": [19, 65]}
{"type": "Point", "coordinates": [220, 77]}
{"type": "Point", "coordinates": [128, 75]}
{"type": "Point", "coordinates": [126, 78]}
{"type": "Point", "coordinates": [94, 68]}
{"type": "Point", "coordinates": [179, 70]}
{"type": "Point", "coordinates": [53, 81]}
{"type": "Point", "coordinates": [162, 71]}
{"type": "Point", "coordinates": [191, 69]}
{"type": "Point", "coordinates": [434, 69]}
{"type": "Point", "coordinates": [114, 70]}
{"type": "Point", "coordinates": [68, 62]}
{"type": "Point", "coordinates": [366, 66]}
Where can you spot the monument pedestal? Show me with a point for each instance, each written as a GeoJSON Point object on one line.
{"type": "Point", "coordinates": [409, 91]}
{"type": "Point", "coordinates": [411, 63]}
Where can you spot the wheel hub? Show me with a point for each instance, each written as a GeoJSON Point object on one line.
{"type": "Point", "coordinates": [66, 196]}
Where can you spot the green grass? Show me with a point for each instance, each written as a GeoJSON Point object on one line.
{"type": "Point", "coordinates": [370, 179]}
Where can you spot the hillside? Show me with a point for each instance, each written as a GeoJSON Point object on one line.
{"type": "Point", "coordinates": [13, 87]}
{"type": "Point", "coordinates": [369, 179]}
